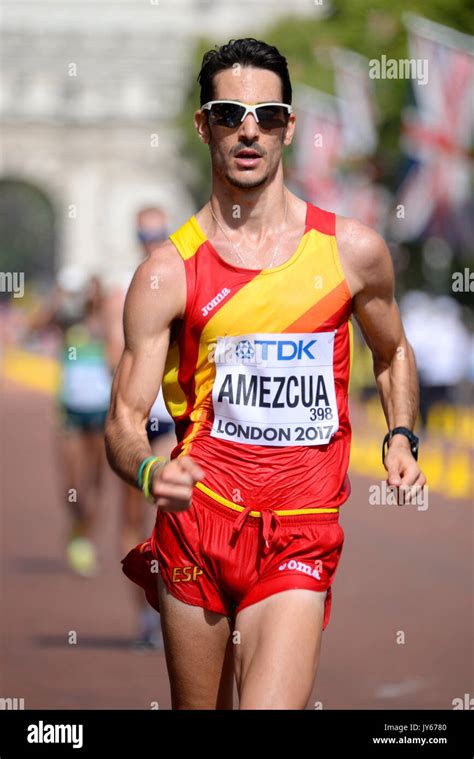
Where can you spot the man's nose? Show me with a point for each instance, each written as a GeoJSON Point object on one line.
{"type": "Point", "coordinates": [249, 128]}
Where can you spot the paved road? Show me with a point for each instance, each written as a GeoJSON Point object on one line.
{"type": "Point", "coordinates": [402, 571]}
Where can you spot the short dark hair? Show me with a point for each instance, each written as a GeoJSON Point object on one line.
{"type": "Point", "coordinates": [247, 52]}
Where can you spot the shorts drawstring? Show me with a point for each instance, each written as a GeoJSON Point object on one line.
{"type": "Point", "coordinates": [270, 526]}
{"type": "Point", "coordinates": [240, 521]}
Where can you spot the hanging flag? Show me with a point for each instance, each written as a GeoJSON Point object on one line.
{"type": "Point", "coordinates": [356, 103]}
{"type": "Point", "coordinates": [437, 133]}
{"type": "Point", "coordinates": [317, 145]}
{"type": "Point", "coordinates": [335, 138]}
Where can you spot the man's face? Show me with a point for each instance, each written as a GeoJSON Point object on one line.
{"type": "Point", "coordinates": [151, 228]}
{"type": "Point", "coordinates": [247, 155]}
{"type": "Point", "coordinates": [151, 220]}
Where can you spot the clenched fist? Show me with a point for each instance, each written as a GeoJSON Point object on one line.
{"type": "Point", "coordinates": [172, 486]}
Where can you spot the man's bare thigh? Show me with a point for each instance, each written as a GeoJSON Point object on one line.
{"type": "Point", "coordinates": [278, 652]}
{"type": "Point", "coordinates": [199, 657]}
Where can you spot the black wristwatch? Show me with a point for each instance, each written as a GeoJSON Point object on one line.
{"type": "Point", "coordinates": [413, 439]}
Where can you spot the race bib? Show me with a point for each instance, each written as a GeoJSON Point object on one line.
{"type": "Point", "coordinates": [275, 389]}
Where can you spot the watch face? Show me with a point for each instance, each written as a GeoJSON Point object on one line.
{"type": "Point", "coordinates": [414, 445]}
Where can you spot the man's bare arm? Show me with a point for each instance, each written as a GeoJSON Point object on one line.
{"type": "Point", "coordinates": [369, 271]}
{"type": "Point", "coordinates": [155, 299]}
{"type": "Point", "coordinates": [113, 320]}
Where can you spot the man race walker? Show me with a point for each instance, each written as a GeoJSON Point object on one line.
{"type": "Point", "coordinates": [244, 316]}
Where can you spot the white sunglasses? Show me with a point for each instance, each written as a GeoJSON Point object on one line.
{"type": "Point", "coordinates": [230, 113]}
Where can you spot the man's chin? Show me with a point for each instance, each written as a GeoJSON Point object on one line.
{"type": "Point", "coordinates": [246, 180]}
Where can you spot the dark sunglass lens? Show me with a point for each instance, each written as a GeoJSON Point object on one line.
{"type": "Point", "coordinates": [271, 116]}
{"type": "Point", "coordinates": [226, 114]}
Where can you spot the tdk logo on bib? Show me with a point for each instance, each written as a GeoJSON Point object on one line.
{"type": "Point", "coordinates": [280, 350]}
{"type": "Point", "coordinates": [275, 389]}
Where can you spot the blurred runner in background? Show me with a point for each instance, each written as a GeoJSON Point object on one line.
{"type": "Point", "coordinates": [136, 513]}
{"type": "Point", "coordinates": [76, 310]}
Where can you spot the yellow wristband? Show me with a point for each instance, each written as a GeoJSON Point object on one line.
{"type": "Point", "coordinates": [162, 460]}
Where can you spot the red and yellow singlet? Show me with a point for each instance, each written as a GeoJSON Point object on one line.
{"type": "Point", "coordinates": [257, 379]}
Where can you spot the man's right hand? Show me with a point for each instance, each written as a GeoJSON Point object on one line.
{"type": "Point", "coordinates": [172, 487]}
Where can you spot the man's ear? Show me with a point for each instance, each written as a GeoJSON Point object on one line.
{"type": "Point", "coordinates": [202, 127]}
{"type": "Point", "coordinates": [289, 130]}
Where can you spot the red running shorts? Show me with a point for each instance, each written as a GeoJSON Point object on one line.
{"type": "Point", "coordinates": [225, 560]}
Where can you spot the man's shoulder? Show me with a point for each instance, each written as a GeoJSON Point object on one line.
{"type": "Point", "coordinates": [164, 262]}
{"type": "Point", "coordinates": [165, 251]}
{"type": "Point", "coordinates": [159, 279]}
{"type": "Point", "coordinates": [361, 245]}
{"type": "Point", "coordinates": [163, 257]}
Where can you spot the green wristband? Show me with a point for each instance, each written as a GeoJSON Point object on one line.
{"type": "Point", "coordinates": [140, 471]}
{"type": "Point", "coordinates": [158, 462]}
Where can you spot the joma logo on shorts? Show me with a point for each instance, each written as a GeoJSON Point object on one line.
{"type": "Point", "coordinates": [213, 303]}
{"type": "Point", "coordinates": [186, 574]}
{"type": "Point", "coordinates": [300, 567]}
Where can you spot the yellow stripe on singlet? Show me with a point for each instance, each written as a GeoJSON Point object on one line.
{"type": "Point", "coordinates": [280, 513]}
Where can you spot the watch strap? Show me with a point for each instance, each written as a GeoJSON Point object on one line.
{"type": "Point", "coordinates": [412, 438]}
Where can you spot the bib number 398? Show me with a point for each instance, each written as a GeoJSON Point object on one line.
{"type": "Point", "coordinates": [275, 389]}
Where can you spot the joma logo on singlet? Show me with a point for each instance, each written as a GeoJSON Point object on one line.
{"type": "Point", "coordinates": [217, 299]}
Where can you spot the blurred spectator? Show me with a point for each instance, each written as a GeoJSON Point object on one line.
{"type": "Point", "coordinates": [151, 227]}
{"type": "Point", "coordinates": [441, 343]}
